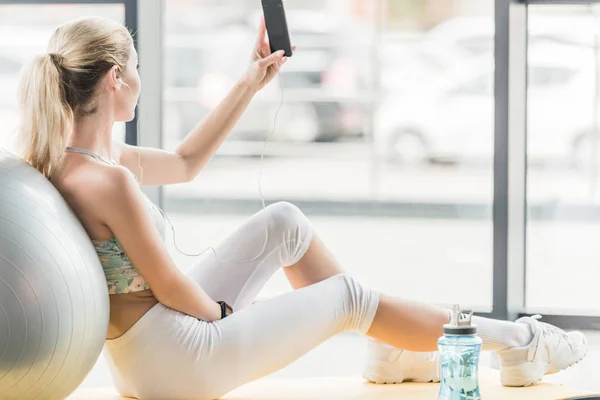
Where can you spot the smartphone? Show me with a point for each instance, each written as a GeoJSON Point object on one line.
{"type": "Point", "coordinates": [277, 29]}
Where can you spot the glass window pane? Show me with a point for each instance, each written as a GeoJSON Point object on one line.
{"type": "Point", "coordinates": [433, 137]}
{"type": "Point", "coordinates": [385, 136]}
{"type": "Point", "coordinates": [24, 33]}
{"type": "Point", "coordinates": [563, 153]}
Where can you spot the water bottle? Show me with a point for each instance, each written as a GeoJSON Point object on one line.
{"type": "Point", "coordinates": [460, 348]}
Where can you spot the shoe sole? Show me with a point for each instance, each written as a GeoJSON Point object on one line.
{"type": "Point", "coordinates": [379, 379]}
{"type": "Point", "coordinates": [512, 376]}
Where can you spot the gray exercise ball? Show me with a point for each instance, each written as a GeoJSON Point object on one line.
{"type": "Point", "coordinates": [54, 305]}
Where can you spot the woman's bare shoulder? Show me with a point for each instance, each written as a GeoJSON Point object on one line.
{"type": "Point", "coordinates": [96, 189]}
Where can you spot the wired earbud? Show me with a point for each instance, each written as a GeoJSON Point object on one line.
{"type": "Point", "coordinates": [122, 83]}
{"type": "Point", "coordinates": [262, 198]}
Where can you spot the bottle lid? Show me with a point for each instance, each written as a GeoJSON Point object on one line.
{"type": "Point", "coordinates": [460, 323]}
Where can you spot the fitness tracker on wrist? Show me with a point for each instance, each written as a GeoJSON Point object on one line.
{"type": "Point", "coordinates": [225, 309]}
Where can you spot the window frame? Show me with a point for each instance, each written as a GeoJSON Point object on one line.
{"type": "Point", "coordinates": [510, 165]}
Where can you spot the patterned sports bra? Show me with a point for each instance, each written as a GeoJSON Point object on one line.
{"type": "Point", "coordinates": [121, 275]}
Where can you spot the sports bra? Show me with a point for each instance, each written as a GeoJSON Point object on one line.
{"type": "Point", "coordinates": [121, 275]}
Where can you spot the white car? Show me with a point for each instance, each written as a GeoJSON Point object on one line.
{"type": "Point", "coordinates": [456, 123]}
{"type": "Point", "coordinates": [474, 36]}
{"type": "Point", "coordinates": [404, 65]}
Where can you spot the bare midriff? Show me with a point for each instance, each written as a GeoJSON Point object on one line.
{"type": "Point", "coordinates": [126, 309]}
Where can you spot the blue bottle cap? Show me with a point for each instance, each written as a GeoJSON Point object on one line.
{"type": "Point", "coordinates": [460, 323]}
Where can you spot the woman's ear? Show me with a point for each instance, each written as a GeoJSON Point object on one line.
{"type": "Point", "coordinates": [113, 76]}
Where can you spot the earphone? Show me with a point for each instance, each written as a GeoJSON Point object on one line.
{"type": "Point", "coordinates": [264, 208]}
{"type": "Point", "coordinates": [122, 83]}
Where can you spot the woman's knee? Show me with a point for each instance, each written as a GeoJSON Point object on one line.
{"type": "Point", "coordinates": [360, 302]}
{"type": "Point", "coordinates": [286, 217]}
{"type": "Point", "coordinates": [291, 226]}
{"type": "Point", "coordinates": [284, 213]}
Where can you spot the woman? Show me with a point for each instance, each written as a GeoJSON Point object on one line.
{"type": "Point", "coordinates": [171, 334]}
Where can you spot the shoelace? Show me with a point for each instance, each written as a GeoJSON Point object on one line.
{"type": "Point", "coordinates": [543, 329]}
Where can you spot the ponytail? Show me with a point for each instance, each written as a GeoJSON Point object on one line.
{"type": "Point", "coordinates": [45, 116]}
{"type": "Point", "coordinates": [60, 87]}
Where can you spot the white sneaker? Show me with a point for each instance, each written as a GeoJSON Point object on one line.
{"type": "Point", "coordinates": [550, 351]}
{"type": "Point", "coordinates": [388, 364]}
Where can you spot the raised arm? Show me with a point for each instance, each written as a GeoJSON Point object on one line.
{"type": "Point", "coordinates": [162, 167]}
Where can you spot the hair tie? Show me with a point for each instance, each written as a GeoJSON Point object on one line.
{"type": "Point", "coordinates": [57, 59]}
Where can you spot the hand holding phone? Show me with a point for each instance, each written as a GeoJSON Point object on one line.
{"type": "Point", "coordinates": [277, 29]}
{"type": "Point", "coordinates": [267, 58]}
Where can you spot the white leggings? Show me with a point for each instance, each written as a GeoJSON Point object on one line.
{"type": "Point", "coordinates": [170, 355]}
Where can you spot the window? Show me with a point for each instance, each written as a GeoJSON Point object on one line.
{"type": "Point", "coordinates": [368, 143]}
{"type": "Point", "coordinates": [563, 158]}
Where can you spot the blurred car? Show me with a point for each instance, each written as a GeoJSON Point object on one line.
{"type": "Point", "coordinates": [474, 36]}
{"type": "Point", "coordinates": [456, 123]}
{"type": "Point", "coordinates": [405, 65]}
{"type": "Point", "coordinates": [321, 85]}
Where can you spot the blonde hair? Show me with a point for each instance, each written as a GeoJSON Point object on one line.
{"type": "Point", "coordinates": [59, 87]}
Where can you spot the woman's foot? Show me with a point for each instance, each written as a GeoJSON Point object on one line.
{"type": "Point", "coordinates": [550, 351]}
{"type": "Point", "coordinates": [387, 364]}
